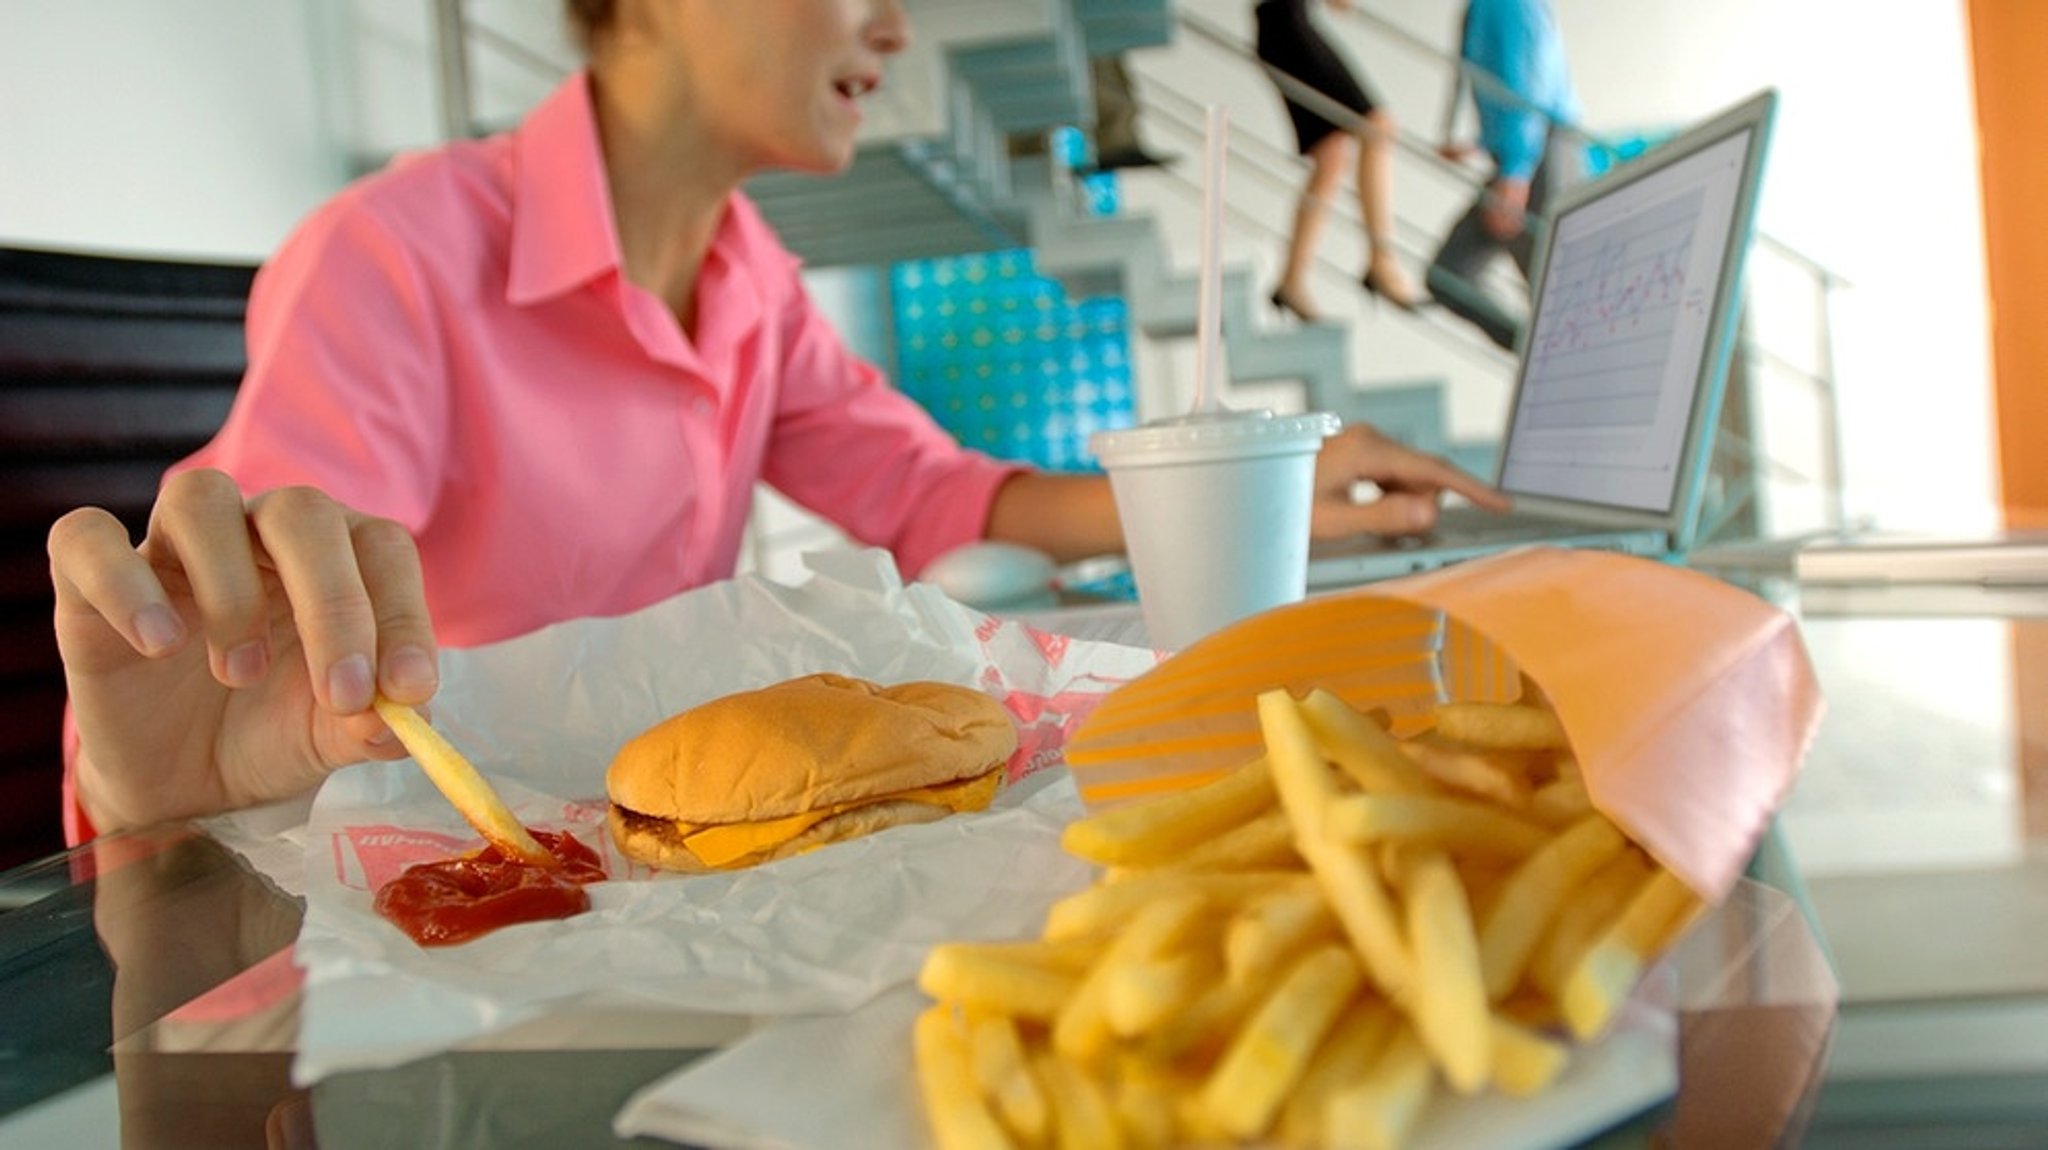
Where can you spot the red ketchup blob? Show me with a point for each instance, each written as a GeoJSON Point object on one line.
{"type": "Point", "coordinates": [455, 900]}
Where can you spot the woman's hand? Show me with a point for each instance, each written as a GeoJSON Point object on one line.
{"type": "Point", "coordinates": [1411, 486]}
{"type": "Point", "coordinates": [1507, 208]}
{"type": "Point", "coordinates": [231, 658]}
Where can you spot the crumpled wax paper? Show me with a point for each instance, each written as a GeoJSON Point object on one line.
{"type": "Point", "coordinates": [541, 717]}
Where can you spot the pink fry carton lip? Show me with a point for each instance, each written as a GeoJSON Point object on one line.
{"type": "Point", "coordinates": [1689, 703]}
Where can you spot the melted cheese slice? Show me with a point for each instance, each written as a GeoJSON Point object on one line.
{"type": "Point", "coordinates": [727, 843]}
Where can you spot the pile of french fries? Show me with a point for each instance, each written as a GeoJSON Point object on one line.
{"type": "Point", "coordinates": [1304, 951]}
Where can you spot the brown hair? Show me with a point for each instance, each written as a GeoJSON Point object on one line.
{"type": "Point", "coordinates": [588, 18]}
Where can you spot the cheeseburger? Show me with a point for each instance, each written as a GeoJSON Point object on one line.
{"type": "Point", "coordinates": [774, 772]}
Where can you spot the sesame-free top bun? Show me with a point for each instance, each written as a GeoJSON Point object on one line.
{"type": "Point", "coordinates": [821, 742]}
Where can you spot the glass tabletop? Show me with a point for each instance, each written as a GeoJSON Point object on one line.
{"type": "Point", "coordinates": [150, 1001]}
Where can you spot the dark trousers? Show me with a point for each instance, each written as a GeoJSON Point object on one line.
{"type": "Point", "coordinates": [1468, 249]}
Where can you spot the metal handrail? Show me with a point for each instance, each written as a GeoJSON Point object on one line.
{"type": "Point", "coordinates": [451, 46]}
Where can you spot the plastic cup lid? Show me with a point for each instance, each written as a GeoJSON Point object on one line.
{"type": "Point", "coordinates": [1220, 434]}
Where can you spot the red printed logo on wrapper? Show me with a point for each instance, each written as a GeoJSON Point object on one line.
{"type": "Point", "coordinates": [365, 858]}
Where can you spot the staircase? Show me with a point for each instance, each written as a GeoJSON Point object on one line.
{"type": "Point", "coordinates": [920, 188]}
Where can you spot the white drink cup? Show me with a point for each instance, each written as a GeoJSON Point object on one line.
{"type": "Point", "coordinates": [1215, 511]}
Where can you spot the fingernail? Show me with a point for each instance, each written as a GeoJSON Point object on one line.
{"type": "Point", "coordinates": [247, 663]}
{"type": "Point", "coordinates": [409, 669]}
{"type": "Point", "coordinates": [159, 628]}
{"type": "Point", "coordinates": [349, 684]}
{"type": "Point", "coordinates": [383, 737]}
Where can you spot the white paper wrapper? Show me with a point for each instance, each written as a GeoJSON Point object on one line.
{"type": "Point", "coordinates": [542, 715]}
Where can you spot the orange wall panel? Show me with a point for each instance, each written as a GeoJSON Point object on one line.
{"type": "Point", "coordinates": [2010, 45]}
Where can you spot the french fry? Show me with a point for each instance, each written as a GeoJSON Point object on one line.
{"type": "Point", "coordinates": [1608, 970]}
{"type": "Point", "coordinates": [1082, 1030]}
{"type": "Point", "coordinates": [1442, 822]}
{"type": "Point", "coordinates": [1532, 895]}
{"type": "Point", "coordinates": [1598, 901]}
{"type": "Point", "coordinates": [1144, 1110]}
{"type": "Point", "coordinates": [1083, 1118]}
{"type": "Point", "coordinates": [462, 784]}
{"type": "Point", "coordinates": [1006, 1080]}
{"type": "Point", "coordinates": [1068, 955]}
{"type": "Point", "coordinates": [1361, 747]}
{"type": "Point", "coordinates": [1269, 931]}
{"type": "Point", "coordinates": [959, 1118]}
{"type": "Point", "coordinates": [1560, 802]}
{"type": "Point", "coordinates": [1525, 1062]}
{"type": "Point", "coordinates": [985, 978]}
{"type": "Point", "coordinates": [1379, 1111]}
{"type": "Point", "coordinates": [1197, 1033]}
{"type": "Point", "coordinates": [1264, 843]}
{"type": "Point", "coordinates": [1500, 726]}
{"type": "Point", "coordinates": [1269, 1055]}
{"type": "Point", "coordinates": [1145, 993]}
{"type": "Point", "coordinates": [1105, 909]}
{"type": "Point", "coordinates": [1345, 1056]}
{"type": "Point", "coordinates": [1156, 831]}
{"type": "Point", "coordinates": [1449, 1006]}
{"type": "Point", "coordinates": [1197, 1126]}
{"type": "Point", "coordinates": [1462, 769]}
{"type": "Point", "coordinates": [1346, 877]}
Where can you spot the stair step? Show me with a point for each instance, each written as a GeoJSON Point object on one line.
{"type": "Point", "coordinates": [1114, 26]}
{"type": "Point", "coordinates": [897, 202]}
{"type": "Point", "coordinates": [1173, 308]}
{"type": "Point", "coordinates": [1478, 456]}
{"type": "Point", "coordinates": [1104, 255]}
{"type": "Point", "coordinates": [1412, 412]}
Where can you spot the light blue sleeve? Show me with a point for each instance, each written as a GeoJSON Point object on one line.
{"type": "Point", "coordinates": [1504, 40]}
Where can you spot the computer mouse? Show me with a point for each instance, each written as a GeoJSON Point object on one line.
{"type": "Point", "coordinates": [989, 575]}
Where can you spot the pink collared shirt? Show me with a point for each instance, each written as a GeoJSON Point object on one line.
{"type": "Point", "coordinates": [452, 344]}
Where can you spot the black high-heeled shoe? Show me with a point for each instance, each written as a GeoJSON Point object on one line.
{"type": "Point", "coordinates": [1374, 288]}
{"type": "Point", "coordinates": [1281, 302]}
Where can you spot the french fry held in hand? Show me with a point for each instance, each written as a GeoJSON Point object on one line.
{"type": "Point", "coordinates": [1300, 952]}
{"type": "Point", "coordinates": [461, 783]}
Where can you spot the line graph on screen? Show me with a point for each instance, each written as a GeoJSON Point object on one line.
{"type": "Point", "coordinates": [1604, 331]}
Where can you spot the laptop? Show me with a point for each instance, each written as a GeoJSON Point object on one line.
{"type": "Point", "coordinates": [1636, 290]}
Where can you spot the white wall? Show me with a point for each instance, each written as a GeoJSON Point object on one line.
{"type": "Point", "coordinates": [1873, 173]}
{"type": "Point", "coordinates": [196, 128]}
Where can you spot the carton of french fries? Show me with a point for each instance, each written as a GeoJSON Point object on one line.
{"type": "Point", "coordinates": [1421, 839]}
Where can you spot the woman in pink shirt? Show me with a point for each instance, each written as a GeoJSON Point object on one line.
{"type": "Point", "coordinates": [533, 378]}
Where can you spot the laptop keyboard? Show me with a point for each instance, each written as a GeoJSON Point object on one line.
{"type": "Point", "coordinates": [1458, 524]}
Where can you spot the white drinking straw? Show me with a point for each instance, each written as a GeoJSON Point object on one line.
{"type": "Point", "coordinates": [1209, 321]}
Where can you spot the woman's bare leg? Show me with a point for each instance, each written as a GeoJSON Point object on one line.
{"type": "Point", "coordinates": [1376, 205]}
{"type": "Point", "coordinates": [1327, 161]}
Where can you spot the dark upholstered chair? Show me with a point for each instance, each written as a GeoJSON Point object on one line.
{"type": "Point", "coordinates": [110, 369]}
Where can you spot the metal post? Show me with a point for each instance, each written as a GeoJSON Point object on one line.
{"type": "Point", "coordinates": [451, 45]}
{"type": "Point", "coordinates": [1838, 499]}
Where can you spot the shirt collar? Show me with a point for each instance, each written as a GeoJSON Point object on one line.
{"type": "Point", "coordinates": [563, 234]}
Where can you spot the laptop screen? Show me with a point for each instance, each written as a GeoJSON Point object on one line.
{"type": "Point", "coordinates": [1624, 328]}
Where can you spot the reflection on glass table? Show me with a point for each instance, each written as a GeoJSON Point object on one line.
{"type": "Point", "coordinates": [1919, 826]}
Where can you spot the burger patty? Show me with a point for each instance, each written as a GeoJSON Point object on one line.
{"type": "Point", "coordinates": [661, 841]}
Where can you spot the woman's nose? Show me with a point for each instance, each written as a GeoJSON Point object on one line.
{"type": "Point", "coordinates": [888, 30]}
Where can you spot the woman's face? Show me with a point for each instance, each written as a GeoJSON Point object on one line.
{"type": "Point", "coordinates": [781, 82]}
